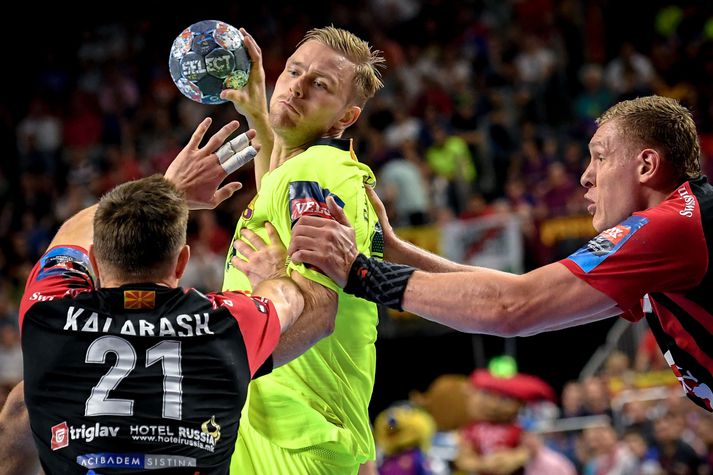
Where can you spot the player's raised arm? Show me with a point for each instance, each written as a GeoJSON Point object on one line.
{"type": "Point", "coordinates": [251, 101]}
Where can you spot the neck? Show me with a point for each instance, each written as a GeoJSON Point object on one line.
{"type": "Point", "coordinates": [656, 196]}
{"type": "Point", "coordinates": [284, 148]}
{"type": "Point", "coordinates": [110, 282]}
{"type": "Point", "coordinates": [283, 151]}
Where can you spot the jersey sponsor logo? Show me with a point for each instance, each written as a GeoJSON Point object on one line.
{"type": "Point", "coordinates": [250, 210]}
{"type": "Point", "coordinates": [110, 460]}
{"type": "Point", "coordinates": [62, 433]}
{"type": "Point", "coordinates": [692, 386]}
{"type": "Point", "coordinates": [307, 198]}
{"type": "Point", "coordinates": [37, 296]}
{"type": "Point", "coordinates": [211, 428]}
{"type": "Point", "coordinates": [175, 435]}
{"type": "Point", "coordinates": [689, 202]}
{"type": "Point", "coordinates": [139, 299]}
{"type": "Point", "coordinates": [64, 261]}
{"type": "Point", "coordinates": [60, 436]}
{"type": "Point", "coordinates": [135, 461]}
{"type": "Point", "coordinates": [607, 243]}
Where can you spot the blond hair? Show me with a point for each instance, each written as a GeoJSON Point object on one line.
{"type": "Point", "coordinates": [140, 227]}
{"type": "Point", "coordinates": [661, 123]}
{"type": "Point", "coordinates": [367, 61]}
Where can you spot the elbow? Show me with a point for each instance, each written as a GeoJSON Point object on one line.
{"type": "Point", "coordinates": [329, 326]}
{"type": "Point", "coordinates": [507, 320]}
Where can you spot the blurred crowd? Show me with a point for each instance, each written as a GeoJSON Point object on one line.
{"type": "Point", "coordinates": [487, 108]}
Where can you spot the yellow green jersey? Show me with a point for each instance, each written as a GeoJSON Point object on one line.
{"type": "Point", "coordinates": [321, 397]}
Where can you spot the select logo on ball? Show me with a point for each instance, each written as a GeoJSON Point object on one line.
{"type": "Point", "coordinates": [206, 58]}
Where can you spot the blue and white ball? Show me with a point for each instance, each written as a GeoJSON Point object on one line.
{"type": "Point", "coordinates": [206, 58]}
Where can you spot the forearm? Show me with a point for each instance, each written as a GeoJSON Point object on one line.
{"type": "Point", "coordinates": [404, 252]}
{"type": "Point", "coordinates": [499, 303]}
{"type": "Point", "coordinates": [315, 322]}
{"type": "Point", "coordinates": [264, 138]}
{"type": "Point", "coordinates": [287, 298]}
{"type": "Point", "coordinates": [77, 230]}
{"type": "Point", "coordinates": [483, 300]}
{"type": "Point", "coordinates": [17, 449]}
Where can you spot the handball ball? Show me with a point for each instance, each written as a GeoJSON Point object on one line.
{"type": "Point", "coordinates": [206, 58]}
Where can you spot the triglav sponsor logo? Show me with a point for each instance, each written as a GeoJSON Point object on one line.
{"type": "Point", "coordinates": [62, 433]}
{"type": "Point", "coordinates": [60, 436]}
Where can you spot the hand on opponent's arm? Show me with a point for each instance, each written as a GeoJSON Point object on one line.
{"type": "Point", "coordinates": [262, 260]}
{"type": "Point", "coordinates": [265, 261]}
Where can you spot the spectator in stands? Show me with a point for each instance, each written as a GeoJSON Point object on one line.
{"type": "Point", "coordinates": [675, 455]}
{"type": "Point", "coordinates": [608, 455]}
{"type": "Point", "coordinates": [405, 187]}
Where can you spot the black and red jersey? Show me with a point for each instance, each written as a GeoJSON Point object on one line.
{"type": "Point", "coordinates": [665, 252]}
{"type": "Point", "coordinates": [139, 377]}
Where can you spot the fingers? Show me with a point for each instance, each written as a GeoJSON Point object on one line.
{"type": "Point", "coordinates": [226, 192]}
{"type": "Point", "coordinates": [239, 159]}
{"type": "Point", "coordinates": [252, 47]}
{"type": "Point", "coordinates": [232, 147]}
{"type": "Point", "coordinates": [219, 137]}
{"type": "Point", "coordinates": [375, 201]}
{"type": "Point", "coordinates": [272, 234]}
{"type": "Point", "coordinates": [199, 133]}
{"type": "Point", "coordinates": [256, 241]}
{"type": "Point", "coordinates": [380, 210]}
{"type": "Point", "coordinates": [240, 264]}
{"type": "Point", "coordinates": [303, 243]}
{"type": "Point", "coordinates": [337, 212]}
{"type": "Point", "coordinates": [306, 256]}
{"type": "Point", "coordinates": [244, 249]}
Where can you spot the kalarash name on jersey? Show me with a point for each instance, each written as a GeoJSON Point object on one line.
{"type": "Point", "coordinates": [183, 325]}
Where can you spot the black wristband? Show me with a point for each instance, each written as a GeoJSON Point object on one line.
{"type": "Point", "coordinates": [379, 281]}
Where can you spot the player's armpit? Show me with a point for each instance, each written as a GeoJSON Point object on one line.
{"type": "Point", "coordinates": [17, 449]}
{"type": "Point", "coordinates": [316, 322]}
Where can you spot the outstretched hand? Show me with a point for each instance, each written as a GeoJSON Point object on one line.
{"type": "Point", "coordinates": [327, 244]}
{"type": "Point", "coordinates": [263, 260]}
{"type": "Point", "coordinates": [197, 171]}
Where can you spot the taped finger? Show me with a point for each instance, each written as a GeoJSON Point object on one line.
{"type": "Point", "coordinates": [239, 159]}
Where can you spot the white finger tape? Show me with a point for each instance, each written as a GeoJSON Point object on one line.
{"type": "Point", "coordinates": [231, 148]}
{"type": "Point", "coordinates": [239, 159]}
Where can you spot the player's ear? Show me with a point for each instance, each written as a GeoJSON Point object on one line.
{"type": "Point", "coordinates": [650, 165]}
{"type": "Point", "coordinates": [182, 261]}
{"type": "Point", "coordinates": [350, 115]}
{"type": "Point", "coordinates": [93, 261]}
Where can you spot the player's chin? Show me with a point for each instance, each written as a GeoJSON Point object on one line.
{"type": "Point", "coordinates": [280, 120]}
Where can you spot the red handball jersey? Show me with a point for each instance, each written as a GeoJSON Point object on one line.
{"type": "Point", "coordinates": [665, 252]}
{"type": "Point", "coordinates": [139, 377]}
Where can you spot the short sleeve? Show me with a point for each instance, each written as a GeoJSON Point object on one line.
{"type": "Point", "coordinates": [62, 270]}
{"type": "Point", "coordinates": [658, 250]}
{"type": "Point", "coordinates": [258, 323]}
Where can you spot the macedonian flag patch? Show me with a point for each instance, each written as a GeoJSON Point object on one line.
{"type": "Point", "coordinates": [139, 299]}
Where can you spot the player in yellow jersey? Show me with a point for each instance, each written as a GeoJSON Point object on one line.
{"type": "Point", "coordinates": [310, 415]}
